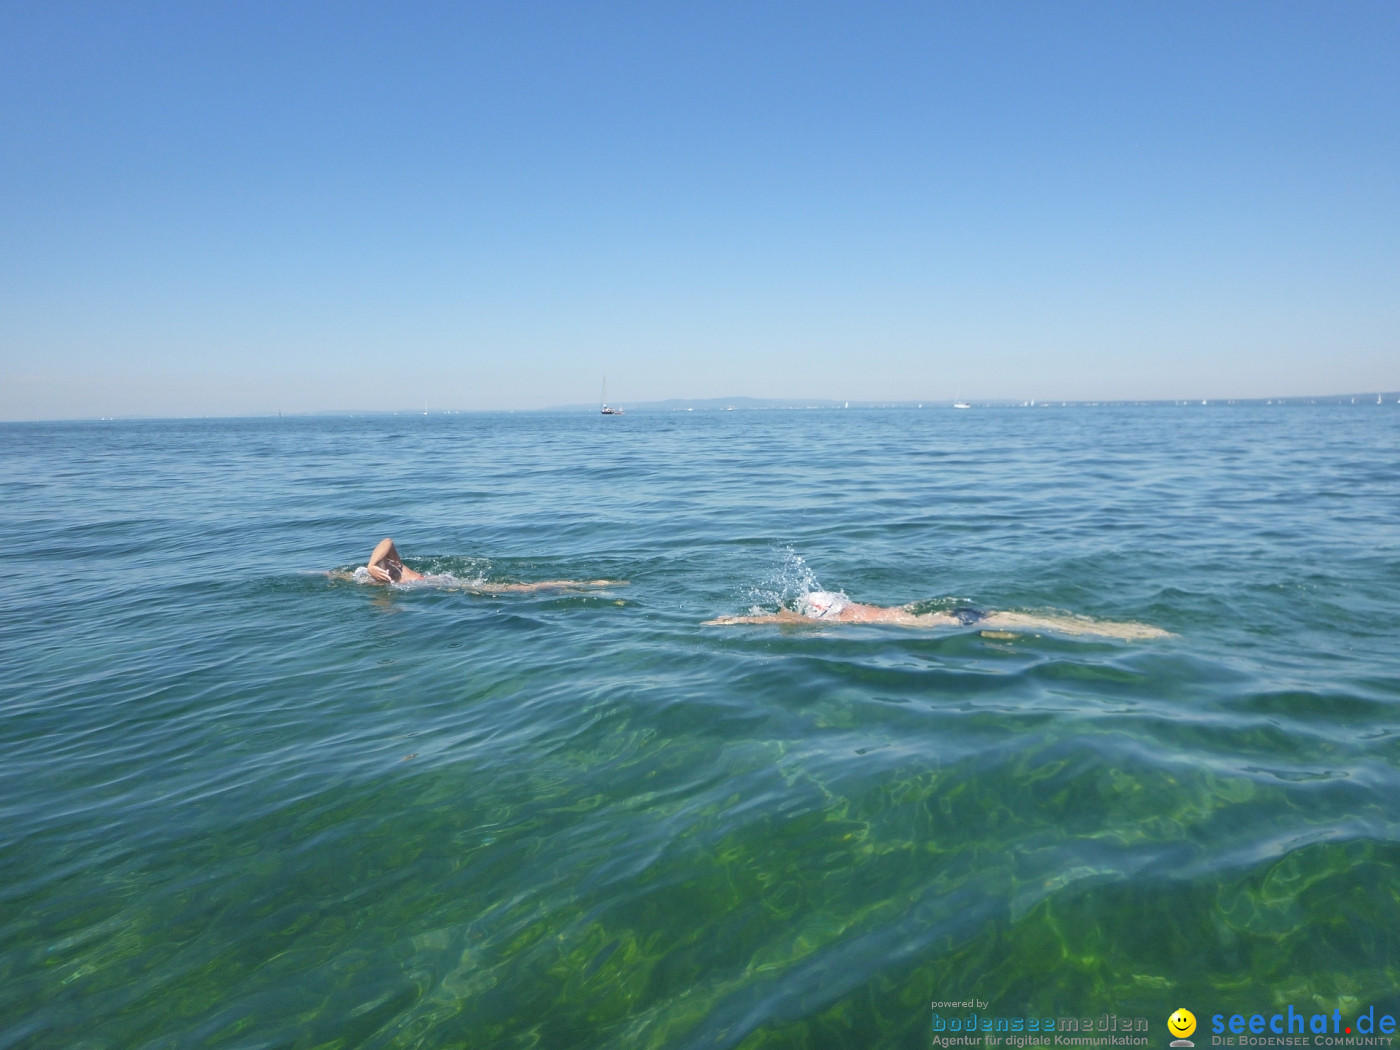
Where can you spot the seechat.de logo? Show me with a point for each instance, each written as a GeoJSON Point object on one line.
{"type": "Point", "coordinates": [1181, 1024]}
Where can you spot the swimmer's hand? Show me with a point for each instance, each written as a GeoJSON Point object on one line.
{"type": "Point", "coordinates": [378, 574]}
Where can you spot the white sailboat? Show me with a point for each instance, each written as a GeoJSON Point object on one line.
{"type": "Point", "coordinates": [608, 410]}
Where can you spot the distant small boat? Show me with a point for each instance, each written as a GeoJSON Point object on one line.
{"type": "Point", "coordinates": [608, 410]}
{"type": "Point", "coordinates": [961, 404]}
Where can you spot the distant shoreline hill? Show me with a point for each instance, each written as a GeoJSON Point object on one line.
{"type": "Point", "coordinates": [713, 404]}
{"type": "Point", "coordinates": [739, 404]}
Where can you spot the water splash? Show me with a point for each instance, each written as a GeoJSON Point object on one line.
{"type": "Point", "coordinates": [791, 580]}
{"type": "Point", "coordinates": [430, 580]}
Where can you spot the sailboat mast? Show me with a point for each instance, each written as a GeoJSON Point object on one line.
{"type": "Point", "coordinates": [605, 409]}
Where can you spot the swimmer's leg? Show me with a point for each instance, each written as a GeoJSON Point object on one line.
{"type": "Point", "coordinates": [1071, 624]}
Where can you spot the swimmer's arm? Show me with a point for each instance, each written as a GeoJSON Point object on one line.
{"type": "Point", "coordinates": [381, 553]}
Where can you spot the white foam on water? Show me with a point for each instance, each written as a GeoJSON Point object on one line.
{"type": "Point", "coordinates": [433, 581]}
{"type": "Point", "coordinates": [430, 581]}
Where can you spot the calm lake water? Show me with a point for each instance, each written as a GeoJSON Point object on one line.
{"type": "Point", "coordinates": [245, 805]}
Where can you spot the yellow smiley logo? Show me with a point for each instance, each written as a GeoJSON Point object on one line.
{"type": "Point", "coordinates": [1182, 1023]}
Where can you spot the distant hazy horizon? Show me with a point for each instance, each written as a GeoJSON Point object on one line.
{"type": "Point", "coordinates": [240, 210]}
{"type": "Point", "coordinates": [749, 404]}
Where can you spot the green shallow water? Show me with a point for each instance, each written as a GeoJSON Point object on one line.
{"type": "Point", "coordinates": [244, 805]}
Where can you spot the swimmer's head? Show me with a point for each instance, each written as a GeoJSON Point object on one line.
{"type": "Point", "coordinates": [818, 605]}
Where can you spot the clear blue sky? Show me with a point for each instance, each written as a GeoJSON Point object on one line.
{"type": "Point", "coordinates": [239, 208]}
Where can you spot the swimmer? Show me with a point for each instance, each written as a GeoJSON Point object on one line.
{"type": "Point", "coordinates": [385, 566]}
{"type": "Point", "coordinates": [819, 607]}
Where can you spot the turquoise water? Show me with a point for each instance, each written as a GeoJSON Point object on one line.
{"type": "Point", "coordinates": [245, 805]}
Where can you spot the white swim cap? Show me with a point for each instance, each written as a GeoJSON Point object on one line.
{"type": "Point", "coordinates": [821, 605]}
